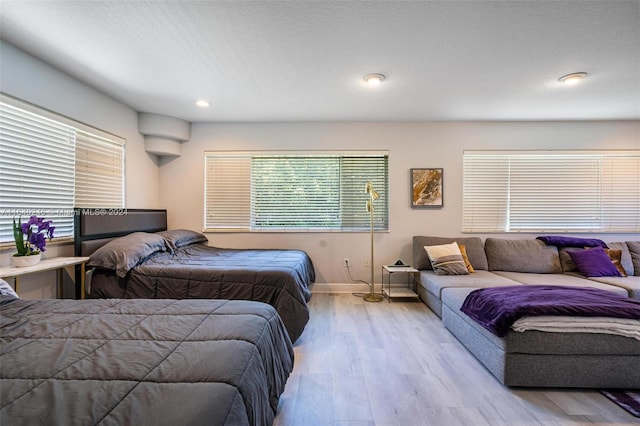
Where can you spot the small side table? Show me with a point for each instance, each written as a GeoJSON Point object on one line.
{"type": "Point", "coordinates": [403, 292]}
{"type": "Point", "coordinates": [54, 263]}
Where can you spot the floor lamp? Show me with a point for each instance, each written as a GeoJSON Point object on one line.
{"type": "Point", "coordinates": [373, 195]}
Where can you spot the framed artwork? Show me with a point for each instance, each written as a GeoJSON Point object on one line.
{"type": "Point", "coordinates": [426, 188]}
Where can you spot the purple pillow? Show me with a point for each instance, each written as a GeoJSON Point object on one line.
{"type": "Point", "coordinates": [562, 241]}
{"type": "Point", "coordinates": [594, 263]}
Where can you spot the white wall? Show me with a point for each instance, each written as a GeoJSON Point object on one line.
{"type": "Point", "coordinates": [409, 144]}
{"type": "Point", "coordinates": [178, 184]}
{"type": "Point", "coordinates": [27, 78]}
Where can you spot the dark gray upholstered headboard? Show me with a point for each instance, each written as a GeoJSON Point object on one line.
{"type": "Point", "coordinates": [95, 227]}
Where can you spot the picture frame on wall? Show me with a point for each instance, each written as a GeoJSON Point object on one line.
{"type": "Point", "coordinates": [427, 188]}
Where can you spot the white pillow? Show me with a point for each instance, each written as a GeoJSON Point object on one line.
{"type": "Point", "coordinates": [446, 259]}
{"type": "Point", "coordinates": [7, 290]}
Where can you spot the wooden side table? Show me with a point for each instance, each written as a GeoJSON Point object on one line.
{"type": "Point", "coordinates": [54, 263]}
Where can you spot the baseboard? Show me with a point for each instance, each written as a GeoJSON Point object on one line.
{"type": "Point", "coordinates": [348, 287]}
{"type": "Point", "coordinates": [340, 288]}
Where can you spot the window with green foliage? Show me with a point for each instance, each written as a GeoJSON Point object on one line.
{"type": "Point", "coordinates": [294, 191]}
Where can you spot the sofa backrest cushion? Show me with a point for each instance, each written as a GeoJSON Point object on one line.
{"type": "Point", "coordinates": [634, 250]}
{"type": "Point", "coordinates": [567, 264]}
{"type": "Point", "coordinates": [532, 256]}
{"type": "Point", "coordinates": [473, 246]}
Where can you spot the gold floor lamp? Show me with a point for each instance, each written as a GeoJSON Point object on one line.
{"type": "Point", "coordinates": [373, 195]}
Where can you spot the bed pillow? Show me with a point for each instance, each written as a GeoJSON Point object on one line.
{"type": "Point", "coordinates": [594, 263]}
{"type": "Point", "coordinates": [467, 263]}
{"type": "Point", "coordinates": [446, 259]}
{"type": "Point", "coordinates": [124, 253]}
{"type": "Point", "coordinates": [177, 238]}
{"type": "Point", "coordinates": [7, 290]}
{"type": "Point", "coordinates": [562, 241]}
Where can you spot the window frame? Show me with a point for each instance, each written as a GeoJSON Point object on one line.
{"type": "Point", "coordinates": [244, 192]}
{"type": "Point", "coordinates": [565, 180]}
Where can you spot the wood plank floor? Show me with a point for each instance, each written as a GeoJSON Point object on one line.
{"type": "Point", "coordinates": [379, 364]}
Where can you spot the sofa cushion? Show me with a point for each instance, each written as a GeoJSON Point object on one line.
{"type": "Point", "coordinates": [446, 259]}
{"type": "Point", "coordinates": [594, 262]}
{"type": "Point", "coordinates": [634, 250]}
{"type": "Point", "coordinates": [473, 245]}
{"type": "Point", "coordinates": [625, 260]}
{"type": "Point", "coordinates": [626, 264]}
{"type": "Point", "coordinates": [434, 284]}
{"type": "Point", "coordinates": [536, 342]}
{"type": "Point", "coordinates": [522, 256]}
{"type": "Point", "coordinates": [631, 284]}
{"type": "Point", "coordinates": [571, 279]}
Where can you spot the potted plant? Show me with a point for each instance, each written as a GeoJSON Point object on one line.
{"type": "Point", "coordinates": [31, 239]}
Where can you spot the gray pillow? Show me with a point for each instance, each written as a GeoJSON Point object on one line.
{"type": "Point", "coordinates": [177, 238]}
{"type": "Point", "coordinates": [124, 253]}
{"type": "Point", "coordinates": [634, 250]}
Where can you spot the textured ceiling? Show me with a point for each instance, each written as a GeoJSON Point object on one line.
{"type": "Point", "coordinates": [304, 60]}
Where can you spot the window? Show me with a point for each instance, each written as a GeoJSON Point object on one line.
{"type": "Point", "coordinates": [294, 191]}
{"type": "Point", "coordinates": [563, 191]}
{"type": "Point", "coordinates": [50, 164]}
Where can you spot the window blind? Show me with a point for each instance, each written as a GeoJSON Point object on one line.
{"type": "Point", "coordinates": [49, 164]}
{"type": "Point", "coordinates": [99, 172]}
{"type": "Point", "coordinates": [585, 191]}
{"type": "Point", "coordinates": [293, 191]}
{"type": "Point", "coordinates": [36, 170]}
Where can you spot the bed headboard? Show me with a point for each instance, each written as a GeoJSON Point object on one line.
{"type": "Point", "coordinates": [93, 228]}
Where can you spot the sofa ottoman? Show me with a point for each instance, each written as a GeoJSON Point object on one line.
{"type": "Point", "coordinates": [540, 359]}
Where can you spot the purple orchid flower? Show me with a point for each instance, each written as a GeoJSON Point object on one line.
{"type": "Point", "coordinates": [36, 231]}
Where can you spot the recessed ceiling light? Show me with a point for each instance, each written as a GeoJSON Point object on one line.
{"type": "Point", "coordinates": [573, 78]}
{"type": "Point", "coordinates": [202, 103]}
{"type": "Point", "coordinates": [374, 79]}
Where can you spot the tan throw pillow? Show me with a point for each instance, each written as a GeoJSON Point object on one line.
{"type": "Point", "coordinates": [446, 259]}
{"type": "Point", "coordinates": [467, 264]}
{"type": "Point", "coordinates": [616, 258]}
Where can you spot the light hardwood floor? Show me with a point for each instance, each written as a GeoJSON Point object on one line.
{"type": "Point", "coordinates": [360, 363]}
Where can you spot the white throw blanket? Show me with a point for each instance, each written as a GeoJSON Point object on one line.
{"type": "Point", "coordinates": [564, 324]}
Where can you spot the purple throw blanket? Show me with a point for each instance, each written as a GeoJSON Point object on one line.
{"type": "Point", "coordinates": [497, 308]}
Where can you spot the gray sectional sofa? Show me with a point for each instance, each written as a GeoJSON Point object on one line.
{"type": "Point", "coordinates": [533, 358]}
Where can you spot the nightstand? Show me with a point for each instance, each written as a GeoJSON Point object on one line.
{"type": "Point", "coordinates": [54, 263]}
{"type": "Point", "coordinates": [399, 292]}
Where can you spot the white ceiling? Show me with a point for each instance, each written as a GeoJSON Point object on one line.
{"type": "Point", "coordinates": [304, 60]}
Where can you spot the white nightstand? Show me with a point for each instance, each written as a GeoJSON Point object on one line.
{"type": "Point", "coordinates": [54, 263]}
{"type": "Point", "coordinates": [399, 292]}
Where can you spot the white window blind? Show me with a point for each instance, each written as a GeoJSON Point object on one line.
{"type": "Point", "coordinates": [99, 171]}
{"type": "Point", "coordinates": [294, 191]}
{"type": "Point", "coordinates": [36, 170]}
{"type": "Point", "coordinates": [50, 164]}
{"type": "Point", "coordinates": [578, 191]}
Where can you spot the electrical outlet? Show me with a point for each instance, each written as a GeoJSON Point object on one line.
{"type": "Point", "coordinates": [366, 262]}
{"type": "Point", "coordinates": [346, 262]}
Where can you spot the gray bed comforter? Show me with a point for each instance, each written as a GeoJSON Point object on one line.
{"type": "Point", "coordinates": [118, 362]}
{"type": "Point", "coordinates": [280, 278]}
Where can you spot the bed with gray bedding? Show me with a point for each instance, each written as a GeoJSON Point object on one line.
{"type": "Point", "coordinates": [177, 264]}
{"type": "Point", "coordinates": [157, 362]}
